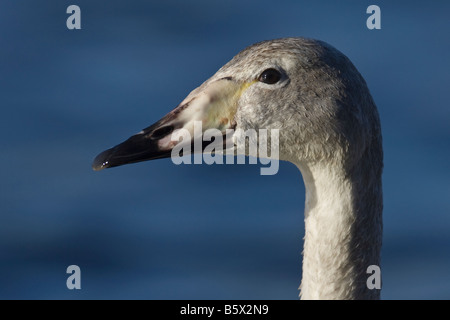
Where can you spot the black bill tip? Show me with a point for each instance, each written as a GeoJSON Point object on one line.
{"type": "Point", "coordinates": [102, 160]}
{"type": "Point", "coordinates": [140, 147]}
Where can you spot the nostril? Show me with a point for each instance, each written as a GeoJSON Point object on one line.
{"type": "Point", "coordinates": [161, 132]}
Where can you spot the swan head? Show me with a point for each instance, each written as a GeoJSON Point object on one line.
{"type": "Point", "coordinates": [306, 89]}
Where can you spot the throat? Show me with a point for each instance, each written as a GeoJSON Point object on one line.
{"type": "Point", "coordinates": [343, 230]}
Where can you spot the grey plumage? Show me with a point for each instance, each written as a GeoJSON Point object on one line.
{"type": "Point", "coordinates": [329, 127]}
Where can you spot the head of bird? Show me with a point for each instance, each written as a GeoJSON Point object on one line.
{"type": "Point", "coordinates": [306, 89]}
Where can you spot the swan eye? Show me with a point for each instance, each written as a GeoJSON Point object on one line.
{"type": "Point", "coordinates": [270, 76]}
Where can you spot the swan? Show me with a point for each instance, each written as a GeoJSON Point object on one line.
{"type": "Point", "coordinates": [328, 127]}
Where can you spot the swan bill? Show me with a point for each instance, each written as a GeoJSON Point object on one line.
{"type": "Point", "coordinates": [214, 105]}
{"type": "Point", "coordinates": [140, 147]}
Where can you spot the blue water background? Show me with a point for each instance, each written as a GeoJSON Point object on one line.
{"type": "Point", "coordinates": [159, 231]}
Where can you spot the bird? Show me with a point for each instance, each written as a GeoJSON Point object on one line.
{"type": "Point", "coordinates": [329, 128]}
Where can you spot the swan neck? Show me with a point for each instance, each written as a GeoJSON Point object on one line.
{"type": "Point", "coordinates": [342, 231]}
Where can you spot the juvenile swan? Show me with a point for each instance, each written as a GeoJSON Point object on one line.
{"type": "Point", "coordinates": [328, 127]}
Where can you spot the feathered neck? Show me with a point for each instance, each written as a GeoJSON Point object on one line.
{"type": "Point", "coordinates": [343, 229]}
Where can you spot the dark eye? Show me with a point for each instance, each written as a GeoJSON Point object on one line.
{"type": "Point", "coordinates": [270, 76]}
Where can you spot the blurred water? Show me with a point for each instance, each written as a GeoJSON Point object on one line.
{"type": "Point", "coordinates": [158, 231]}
